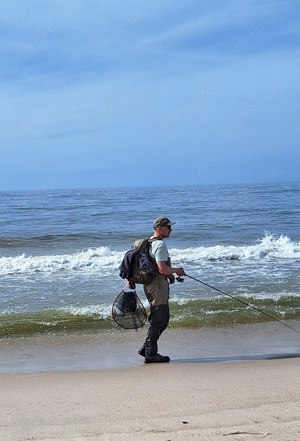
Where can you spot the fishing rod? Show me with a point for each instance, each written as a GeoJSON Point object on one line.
{"type": "Point", "coordinates": [179, 279]}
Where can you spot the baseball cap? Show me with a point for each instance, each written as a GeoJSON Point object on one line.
{"type": "Point", "coordinates": [162, 221]}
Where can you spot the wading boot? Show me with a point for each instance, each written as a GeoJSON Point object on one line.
{"type": "Point", "coordinates": [151, 355]}
{"type": "Point", "coordinates": [141, 352]}
{"type": "Point", "coordinates": [157, 358]}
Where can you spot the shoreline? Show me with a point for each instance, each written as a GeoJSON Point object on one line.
{"type": "Point", "coordinates": [118, 350]}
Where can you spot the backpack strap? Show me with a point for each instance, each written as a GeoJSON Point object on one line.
{"type": "Point", "coordinates": [152, 239]}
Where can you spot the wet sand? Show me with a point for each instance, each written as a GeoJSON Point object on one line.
{"type": "Point", "coordinates": [118, 349]}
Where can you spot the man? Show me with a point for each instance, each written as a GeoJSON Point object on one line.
{"type": "Point", "coordinates": [157, 292]}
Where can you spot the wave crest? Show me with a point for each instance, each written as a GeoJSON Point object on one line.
{"type": "Point", "coordinates": [107, 261]}
{"type": "Point", "coordinates": [269, 246]}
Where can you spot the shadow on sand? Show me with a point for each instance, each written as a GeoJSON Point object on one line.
{"type": "Point", "coordinates": [235, 358]}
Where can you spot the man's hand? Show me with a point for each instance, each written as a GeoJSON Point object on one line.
{"type": "Point", "coordinates": [180, 272]}
{"type": "Point", "coordinates": [171, 278]}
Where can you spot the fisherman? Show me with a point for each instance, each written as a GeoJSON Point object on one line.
{"type": "Point", "coordinates": [157, 292]}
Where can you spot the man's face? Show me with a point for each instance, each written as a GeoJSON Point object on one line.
{"type": "Point", "coordinates": [165, 230]}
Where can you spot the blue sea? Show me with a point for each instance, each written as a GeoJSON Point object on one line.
{"type": "Point", "coordinates": [60, 253]}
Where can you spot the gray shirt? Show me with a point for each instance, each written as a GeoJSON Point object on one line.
{"type": "Point", "coordinates": [158, 250]}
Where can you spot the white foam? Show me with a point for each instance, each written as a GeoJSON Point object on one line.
{"type": "Point", "coordinates": [89, 260]}
{"type": "Point", "coordinates": [107, 261]}
{"type": "Point", "coordinates": [268, 247]}
{"type": "Point", "coordinates": [103, 311]}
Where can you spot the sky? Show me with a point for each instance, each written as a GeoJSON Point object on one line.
{"type": "Point", "coordinates": [113, 93]}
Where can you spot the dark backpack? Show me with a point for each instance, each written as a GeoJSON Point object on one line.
{"type": "Point", "coordinates": [137, 265]}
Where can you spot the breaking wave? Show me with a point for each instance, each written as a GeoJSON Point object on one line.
{"type": "Point", "coordinates": [107, 261]}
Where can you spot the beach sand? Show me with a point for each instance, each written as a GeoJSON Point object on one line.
{"type": "Point", "coordinates": [221, 401]}
{"type": "Point", "coordinates": [219, 385]}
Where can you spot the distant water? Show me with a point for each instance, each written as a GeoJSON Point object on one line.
{"type": "Point", "coordinates": [60, 252]}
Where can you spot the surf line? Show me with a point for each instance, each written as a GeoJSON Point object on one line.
{"type": "Point", "coordinates": [241, 301]}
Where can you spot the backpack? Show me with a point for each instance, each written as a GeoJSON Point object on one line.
{"type": "Point", "coordinates": [137, 265]}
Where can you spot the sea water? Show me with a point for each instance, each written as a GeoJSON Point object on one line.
{"type": "Point", "coordinates": [60, 253]}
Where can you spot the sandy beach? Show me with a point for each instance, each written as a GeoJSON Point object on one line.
{"type": "Point", "coordinates": [239, 383]}
{"type": "Point", "coordinates": [218, 401]}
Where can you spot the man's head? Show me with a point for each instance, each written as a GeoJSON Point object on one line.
{"type": "Point", "coordinates": [163, 226]}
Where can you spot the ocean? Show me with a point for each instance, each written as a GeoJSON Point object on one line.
{"type": "Point", "coordinates": [60, 252]}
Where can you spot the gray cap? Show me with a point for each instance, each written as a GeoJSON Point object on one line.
{"type": "Point", "coordinates": [162, 221]}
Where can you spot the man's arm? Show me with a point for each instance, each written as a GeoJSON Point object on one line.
{"type": "Point", "coordinates": [163, 268]}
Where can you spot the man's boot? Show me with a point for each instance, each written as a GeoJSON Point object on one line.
{"type": "Point", "coordinates": [141, 352]}
{"type": "Point", "coordinates": [151, 355]}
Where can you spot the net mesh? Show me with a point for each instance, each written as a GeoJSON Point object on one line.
{"type": "Point", "coordinates": [128, 311]}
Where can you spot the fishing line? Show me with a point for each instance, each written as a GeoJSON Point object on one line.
{"type": "Point", "coordinates": [241, 301]}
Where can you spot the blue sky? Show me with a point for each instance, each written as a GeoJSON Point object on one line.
{"type": "Point", "coordinates": [105, 93]}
